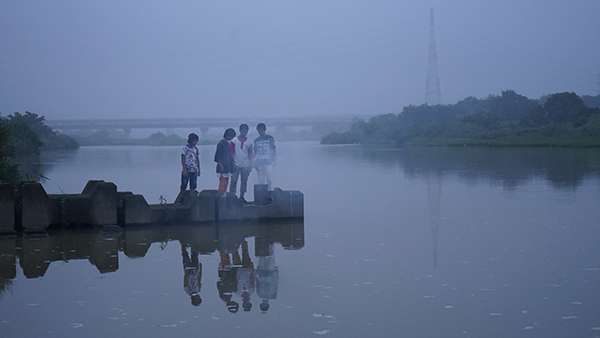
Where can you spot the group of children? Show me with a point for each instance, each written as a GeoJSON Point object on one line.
{"type": "Point", "coordinates": [235, 157]}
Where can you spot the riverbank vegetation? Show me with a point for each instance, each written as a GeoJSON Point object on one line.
{"type": "Point", "coordinates": [559, 120]}
{"type": "Point", "coordinates": [31, 135]}
{"type": "Point", "coordinates": [23, 137]}
{"type": "Point", "coordinates": [105, 137]}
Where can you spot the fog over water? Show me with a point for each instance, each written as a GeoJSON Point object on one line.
{"type": "Point", "coordinates": [115, 59]}
{"type": "Point", "coordinates": [415, 242]}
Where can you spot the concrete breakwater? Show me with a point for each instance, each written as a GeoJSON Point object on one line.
{"type": "Point", "coordinates": [100, 204]}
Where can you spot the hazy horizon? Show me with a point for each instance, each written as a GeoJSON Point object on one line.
{"type": "Point", "coordinates": [151, 59]}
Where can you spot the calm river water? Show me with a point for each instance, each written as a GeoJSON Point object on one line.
{"type": "Point", "coordinates": [428, 242]}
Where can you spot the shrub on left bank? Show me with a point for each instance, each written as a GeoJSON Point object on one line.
{"type": "Point", "coordinates": [22, 138]}
{"type": "Point", "coordinates": [31, 135]}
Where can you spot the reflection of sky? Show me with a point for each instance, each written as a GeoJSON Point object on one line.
{"type": "Point", "coordinates": [509, 260]}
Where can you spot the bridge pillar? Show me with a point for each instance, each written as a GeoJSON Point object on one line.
{"type": "Point", "coordinates": [203, 131]}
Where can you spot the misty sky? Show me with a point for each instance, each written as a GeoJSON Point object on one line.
{"type": "Point", "coordinates": [248, 59]}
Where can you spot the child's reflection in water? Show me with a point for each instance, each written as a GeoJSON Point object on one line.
{"type": "Point", "coordinates": [192, 273]}
{"type": "Point", "coordinates": [237, 279]}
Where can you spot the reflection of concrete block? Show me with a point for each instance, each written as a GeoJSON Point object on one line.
{"type": "Point", "coordinates": [261, 246]}
{"type": "Point", "coordinates": [291, 235]}
{"type": "Point", "coordinates": [104, 252]}
{"type": "Point", "coordinates": [137, 241]}
{"type": "Point", "coordinates": [202, 239]}
{"type": "Point", "coordinates": [7, 209]}
{"type": "Point", "coordinates": [8, 263]}
{"type": "Point", "coordinates": [33, 260]}
{"type": "Point", "coordinates": [34, 202]}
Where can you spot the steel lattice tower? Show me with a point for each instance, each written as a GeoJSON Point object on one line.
{"type": "Point", "coordinates": [433, 93]}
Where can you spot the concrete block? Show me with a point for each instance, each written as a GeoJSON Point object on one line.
{"type": "Point", "coordinates": [284, 204]}
{"type": "Point", "coordinates": [186, 197]}
{"type": "Point", "coordinates": [291, 202]}
{"type": "Point", "coordinates": [34, 201]}
{"type": "Point", "coordinates": [120, 208]}
{"type": "Point", "coordinates": [7, 209]}
{"type": "Point", "coordinates": [185, 210]}
{"type": "Point", "coordinates": [66, 209]}
{"type": "Point", "coordinates": [103, 204]}
{"type": "Point", "coordinates": [162, 214]}
{"type": "Point", "coordinates": [261, 194]}
{"type": "Point", "coordinates": [205, 207]}
{"type": "Point", "coordinates": [229, 207]}
{"type": "Point", "coordinates": [135, 210]}
{"type": "Point", "coordinates": [90, 187]}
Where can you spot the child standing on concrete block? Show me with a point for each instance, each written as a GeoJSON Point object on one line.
{"type": "Point", "coordinates": [241, 147]}
{"type": "Point", "coordinates": [190, 164]}
{"type": "Point", "coordinates": [224, 159]}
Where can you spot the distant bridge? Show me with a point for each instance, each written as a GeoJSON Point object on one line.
{"type": "Point", "coordinates": [201, 123]}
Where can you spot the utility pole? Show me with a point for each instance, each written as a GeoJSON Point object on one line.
{"type": "Point", "coordinates": [433, 93]}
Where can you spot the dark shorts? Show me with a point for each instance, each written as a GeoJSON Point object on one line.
{"type": "Point", "coordinates": [192, 178]}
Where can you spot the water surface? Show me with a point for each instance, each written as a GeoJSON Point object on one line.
{"type": "Point", "coordinates": [447, 242]}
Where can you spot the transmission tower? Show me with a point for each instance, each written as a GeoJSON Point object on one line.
{"type": "Point", "coordinates": [433, 93]}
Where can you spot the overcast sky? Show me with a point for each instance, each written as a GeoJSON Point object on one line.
{"type": "Point", "coordinates": [248, 59]}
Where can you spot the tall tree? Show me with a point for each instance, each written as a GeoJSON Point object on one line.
{"type": "Point", "coordinates": [511, 106]}
{"type": "Point", "coordinates": [567, 107]}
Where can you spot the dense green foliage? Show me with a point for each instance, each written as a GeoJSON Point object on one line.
{"type": "Point", "coordinates": [22, 138]}
{"type": "Point", "coordinates": [9, 171]}
{"type": "Point", "coordinates": [561, 119]}
{"type": "Point", "coordinates": [31, 135]}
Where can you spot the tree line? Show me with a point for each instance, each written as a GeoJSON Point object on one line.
{"type": "Point", "coordinates": [510, 119]}
{"type": "Point", "coordinates": [22, 139]}
{"type": "Point", "coordinates": [104, 137]}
